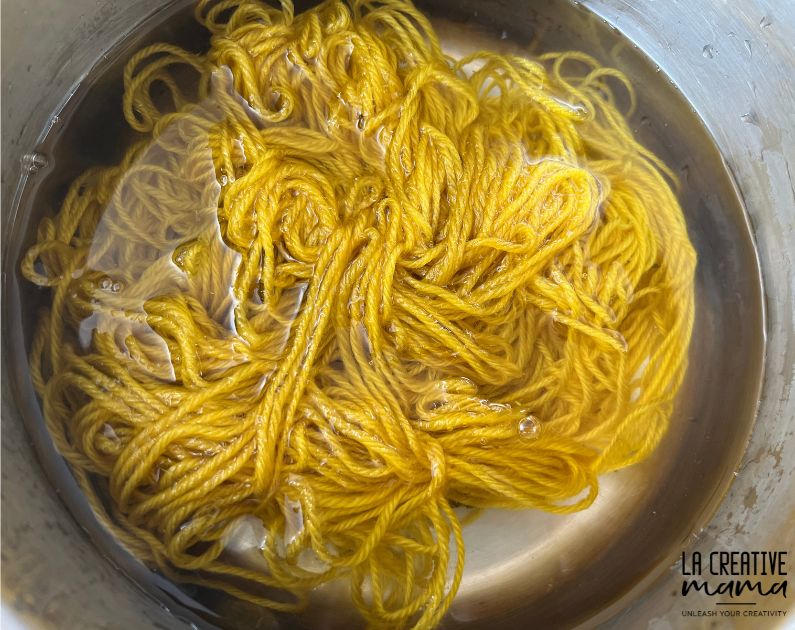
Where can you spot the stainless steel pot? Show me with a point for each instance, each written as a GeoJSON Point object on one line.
{"type": "Point", "coordinates": [734, 65]}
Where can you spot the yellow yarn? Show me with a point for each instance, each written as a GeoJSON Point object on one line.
{"type": "Point", "coordinates": [347, 284]}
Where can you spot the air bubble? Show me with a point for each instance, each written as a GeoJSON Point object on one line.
{"type": "Point", "coordinates": [708, 51]}
{"type": "Point", "coordinates": [33, 162]}
{"type": "Point", "coordinates": [529, 427]}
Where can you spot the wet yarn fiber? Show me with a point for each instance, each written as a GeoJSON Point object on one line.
{"type": "Point", "coordinates": [342, 284]}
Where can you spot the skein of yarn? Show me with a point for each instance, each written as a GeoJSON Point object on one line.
{"type": "Point", "coordinates": [344, 283]}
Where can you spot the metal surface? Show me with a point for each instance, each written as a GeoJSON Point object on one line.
{"type": "Point", "coordinates": [616, 560]}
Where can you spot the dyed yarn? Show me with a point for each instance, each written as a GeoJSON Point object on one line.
{"type": "Point", "coordinates": [344, 283]}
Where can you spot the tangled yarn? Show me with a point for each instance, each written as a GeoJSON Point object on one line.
{"type": "Point", "coordinates": [344, 283]}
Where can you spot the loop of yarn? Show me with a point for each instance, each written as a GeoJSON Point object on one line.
{"type": "Point", "coordinates": [354, 284]}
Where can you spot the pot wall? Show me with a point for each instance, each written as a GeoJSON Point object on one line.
{"type": "Point", "coordinates": [742, 87]}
